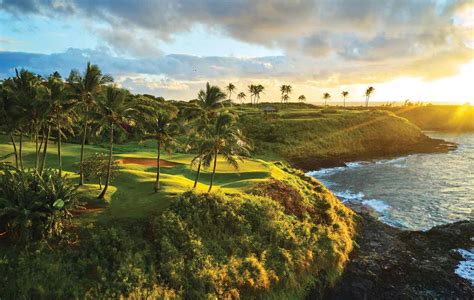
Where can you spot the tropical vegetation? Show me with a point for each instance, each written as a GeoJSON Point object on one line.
{"type": "Point", "coordinates": [186, 209]}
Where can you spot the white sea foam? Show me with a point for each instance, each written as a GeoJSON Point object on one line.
{"type": "Point", "coordinates": [355, 164]}
{"type": "Point", "coordinates": [465, 269]}
{"type": "Point", "coordinates": [349, 195]}
{"type": "Point", "coordinates": [391, 161]}
{"type": "Point", "coordinates": [378, 205]}
{"type": "Point", "coordinates": [324, 172]}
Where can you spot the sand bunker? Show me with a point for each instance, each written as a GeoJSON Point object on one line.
{"type": "Point", "coordinates": [146, 162]}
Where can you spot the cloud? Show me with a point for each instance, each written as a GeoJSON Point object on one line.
{"type": "Point", "coordinates": [326, 43]}
{"type": "Point", "coordinates": [310, 27]}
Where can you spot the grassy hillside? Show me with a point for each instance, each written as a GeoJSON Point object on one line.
{"type": "Point", "coordinates": [268, 232]}
{"type": "Point", "coordinates": [314, 137]}
{"type": "Point", "coordinates": [457, 118]}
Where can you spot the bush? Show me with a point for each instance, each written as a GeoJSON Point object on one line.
{"type": "Point", "coordinates": [95, 168]}
{"type": "Point", "coordinates": [218, 246]}
{"type": "Point", "coordinates": [107, 263]}
{"type": "Point", "coordinates": [34, 206]}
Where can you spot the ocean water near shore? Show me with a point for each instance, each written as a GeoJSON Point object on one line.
{"type": "Point", "coordinates": [414, 192]}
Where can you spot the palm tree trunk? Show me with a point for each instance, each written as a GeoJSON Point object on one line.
{"type": "Point", "coordinates": [45, 150]}
{"type": "Point", "coordinates": [14, 149]}
{"type": "Point", "coordinates": [60, 163]}
{"type": "Point", "coordinates": [197, 174]}
{"type": "Point", "coordinates": [157, 181]}
{"type": "Point", "coordinates": [213, 171]}
{"type": "Point", "coordinates": [109, 167]}
{"type": "Point", "coordinates": [81, 168]}
{"type": "Point", "coordinates": [20, 151]}
{"type": "Point", "coordinates": [344, 101]}
{"type": "Point", "coordinates": [37, 151]}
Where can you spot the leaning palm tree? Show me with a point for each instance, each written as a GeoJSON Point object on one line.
{"type": "Point", "coordinates": [230, 88]}
{"type": "Point", "coordinates": [241, 96]}
{"type": "Point", "coordinates": [326, 97]}
{"type": "Point", "coordinates": [344, 95]}
{"type": "Point", "coordinates": [225, 139]}
{"type": "Point", "coordinates": [368, 92]}
{"type": "Point", "coordinates": [86, 87]}
{"type": "Point", "coordinates": [302, 98]}
{"type": "Point", "coordinates": [115, 109]}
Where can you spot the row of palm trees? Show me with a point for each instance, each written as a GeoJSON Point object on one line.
{"type": "Point", "coordinates": [44, 108]}
{"type": "Point", "coordinates": [286, 89]}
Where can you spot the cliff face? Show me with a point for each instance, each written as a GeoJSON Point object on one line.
{"type": "Point", "coordinates": [393, 264]}
{"type": "Point", "coordinates": [457, 118]}
{"type": "Point", "coordinates": [329, 138]}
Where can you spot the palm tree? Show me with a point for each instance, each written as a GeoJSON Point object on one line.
{"type": "Point", "coordinates": [164, 128]}
{"type": "Point", "coordinates": [289, 89]}
{"type": "Point", "coordinates": [241, 96]}
{"type": "Point", "coordinates": [115, 109]}
{"type": "Point", "coordinates": [210, 100]}
{"type": "Point", "coordinates": [230, 88]}
{"type": "Point", "coordinates": [86, 87]}
{"type": "Point", "coordinates": [60, 113]}
{"type": "Point", "coordinates": [258, 90]}
{"type": "Point", "coordinates": [344, 95]}
{"type": "Point", "coordinates": [326, 97]}
{"type": "Point", "coordinates": [224, 139]}
{"type": "Point", "coordinates": [285, 90]}
{"type": "Point", "coordinates": [252, 89]}
{"type": "Point", "coordinates": [26, 90]}
{"type": "Point", "coordinates": [11, 113]}
{"type": "Point", "coordinates": [302, 98]}
{"type": "Point", "coordinates": [368, 92]}
{"type": "Point", "coordinates": [282, 90]}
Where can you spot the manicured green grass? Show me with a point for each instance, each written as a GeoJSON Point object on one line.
{"type": "Point", "coordinates": [131, 193]}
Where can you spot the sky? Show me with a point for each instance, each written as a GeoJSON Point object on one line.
{"type": "Point", "coordinates": [418, 50]}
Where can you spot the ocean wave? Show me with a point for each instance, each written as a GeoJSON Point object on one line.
{"type": "Point", "coordinates": [465, 268]}
{"type": "Point", "coordinates": [349, 195]}
{"type": "Point", "coordinates": [325, 172]}
{"type": "Point", "coordinates": [356, 164]}
{"type": "Point", "coordinates": [377, 205]}
{"type": "Point", "coordinates": [391, 161]}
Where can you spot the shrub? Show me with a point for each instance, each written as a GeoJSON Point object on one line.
{"type": "Point", "coordinates": [107, 263]}
{"type": "Point", "coordinates": [34, 206]}
{"type": "Point", "coordinates": [244, 246]}
{"type": "Point", "coordinates": [95, 168]}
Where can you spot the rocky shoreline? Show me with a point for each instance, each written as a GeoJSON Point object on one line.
{"type": "Point", "coordinates": [390, 263]}
{"type": "Point", "coordinates": [425, 145]}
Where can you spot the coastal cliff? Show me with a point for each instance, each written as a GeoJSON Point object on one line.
{"type": "Point", "coordinates": [313, 139]}
{"type": "Point", "coordinates": [390, 263]}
